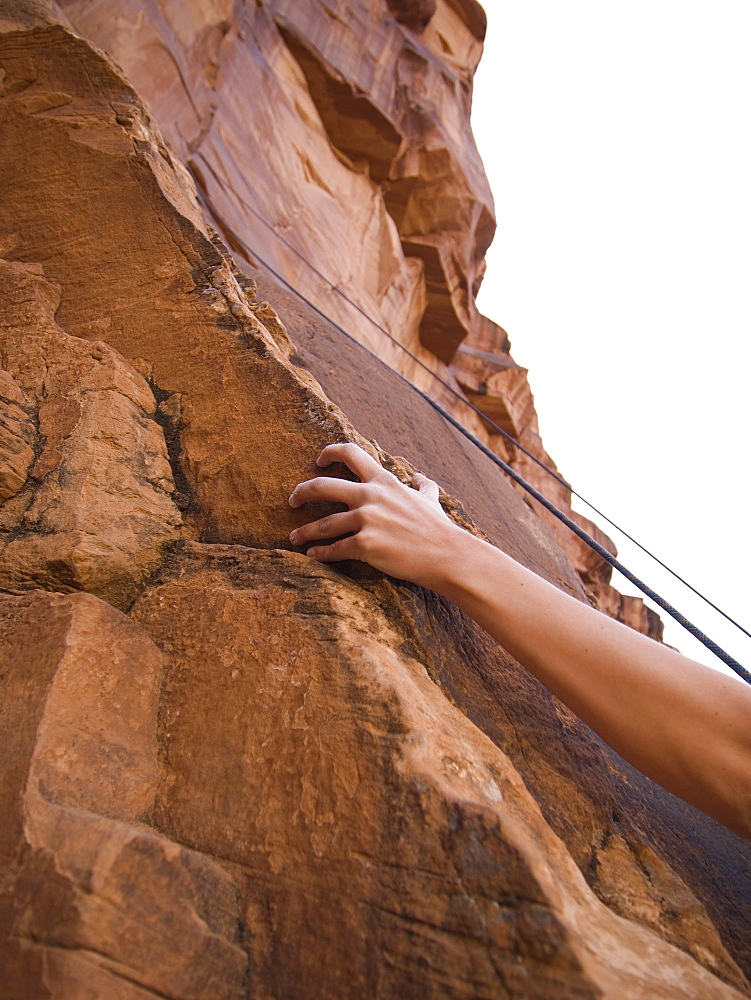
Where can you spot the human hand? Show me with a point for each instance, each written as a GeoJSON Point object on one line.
{"type": "Point", "coordinates": [399, 530]}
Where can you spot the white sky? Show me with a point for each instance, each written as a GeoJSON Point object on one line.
{"type": "Point", "coordinates": [616, 139]}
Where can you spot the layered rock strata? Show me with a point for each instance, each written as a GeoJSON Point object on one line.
{"type": "Point", "coordinates": [329, 141]}
{"type": "Point", "coordinates": [229, 772]}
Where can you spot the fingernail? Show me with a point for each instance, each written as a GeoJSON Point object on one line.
{"type": "Point", "coordinates": [291, 498]}
{"type": "Point", "coordinates": [293, 537]}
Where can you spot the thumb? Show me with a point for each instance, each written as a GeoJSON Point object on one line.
{"type": "Point", "coordinates": [426, 486]}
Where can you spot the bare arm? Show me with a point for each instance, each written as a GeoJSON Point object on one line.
{"type": "Point", "coordinates": [684, 725]}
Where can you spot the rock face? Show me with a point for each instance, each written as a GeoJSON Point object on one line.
{"type": "Point", "coordinates": [230, 773]}
{"type": "Point", "coordinates": [92, 503]}
{"type": "Point", "coordinates": [360, 139]}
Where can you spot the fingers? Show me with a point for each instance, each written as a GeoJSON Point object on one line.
{"type": "Point", "coordinates": [351, 455]}
{"type": "Point", "coordinates": [322, 488]}
{"type": "Point", "coordinates": [327, 527]}
{"type": "Point", "coordinates": [426, 486]}
{"type": "Point", "coordinates": [345, 548]}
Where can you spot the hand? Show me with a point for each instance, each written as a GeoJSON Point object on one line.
{"type": "Point", "coordinates": [399, 530]}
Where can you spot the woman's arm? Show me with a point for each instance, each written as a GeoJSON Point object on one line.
{"type": "Point", "coordinates": [684, 725]}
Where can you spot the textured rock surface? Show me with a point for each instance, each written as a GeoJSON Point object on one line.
{"type": "Point", "coordinates": [385, 810]}
{"type": "Point", "coordinates": [95, 509]}
{"type": "Point", "coordinates": [360, 139]}
{"type": "Point", "coordinates": [546, 744]}
{"type": "Point", "coordinates": [365, 121]}
{"type": "Point", "coordinates": [94, 903]}
{"type": "Point", "coordinates": [272, 779]}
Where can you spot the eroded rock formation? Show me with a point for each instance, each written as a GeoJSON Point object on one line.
{"type": "Point", "coordinates": [357, 180]}
{"type": "Point", "coordinates": [230, 773]}
{"type": "Point", "coordinates": [89, 498]}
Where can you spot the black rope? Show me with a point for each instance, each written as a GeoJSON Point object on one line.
{"type": "Point", "coordinates": [726, 658]}
{"type": "Point", "coordinates": [718, 651]}
{"type": "Point", "coordinates": [447, 385]}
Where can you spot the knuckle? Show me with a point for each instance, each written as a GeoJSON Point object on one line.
{"type": "Point", "coordinates": [387, 483]}
{"type": "Point", "coordinates": [371, 493]}
{"type": "Point", "coordinates": [324, 527]}
{"type": "Point", "coordinates": [371, 515]}
{"type": "Point", "coordinates": [365, 542]}
{"type": "Point", "coordinates": [335, 551]}
{"type": "Point", "coordinates": [345, 451]}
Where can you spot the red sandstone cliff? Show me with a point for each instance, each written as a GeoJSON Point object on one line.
{"type": "Point", "coordinates": [230, 773]}
{"type": "Point", "coordinates": [331, 142]}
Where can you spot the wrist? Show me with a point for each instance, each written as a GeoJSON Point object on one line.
{"type": "Point", "coordinates": [450, 570]}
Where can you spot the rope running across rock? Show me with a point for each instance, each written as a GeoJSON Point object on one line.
{"type": "Point", "coordinates": [728, 660]}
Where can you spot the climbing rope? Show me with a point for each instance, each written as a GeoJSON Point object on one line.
{"type": "Point", "coordinates": [728, 660]}
{"type": "Point", "coordinates": [450, 388]}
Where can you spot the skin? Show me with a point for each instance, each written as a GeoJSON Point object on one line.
{"type": "Point", "coordinates": [684, 725]}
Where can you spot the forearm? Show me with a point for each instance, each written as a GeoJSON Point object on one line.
{"type": "Point", "coordinates": [684, 725]}
{"type": "Point", "coordinates": [654, 706]}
